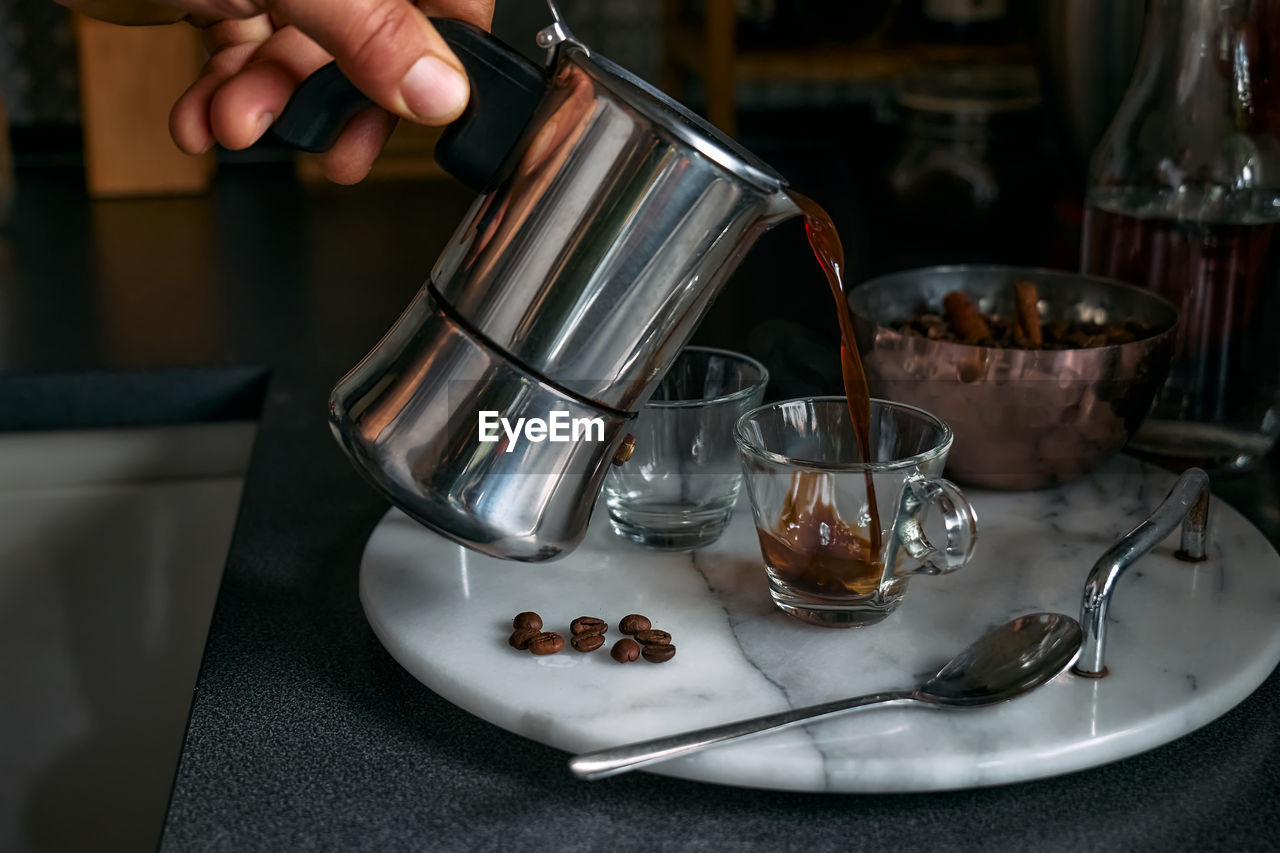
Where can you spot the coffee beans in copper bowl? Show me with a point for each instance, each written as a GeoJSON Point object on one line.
{"type": "Point", "coordinates": [1042, 375]}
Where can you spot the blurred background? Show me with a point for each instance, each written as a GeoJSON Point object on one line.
{"type": "Point", "coordinates": [933, 131]}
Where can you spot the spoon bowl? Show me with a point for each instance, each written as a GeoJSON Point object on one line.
{"type": "Point", "coordinates": [1006, 662]}
{"type": "Point", "coordinates": [1011, 660]}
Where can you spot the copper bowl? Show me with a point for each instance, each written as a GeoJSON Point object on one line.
{"type": "Point", "coordinates": [1023, 419]}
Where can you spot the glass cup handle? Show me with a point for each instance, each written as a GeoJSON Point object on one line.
{"type": "Point", "coordinates": [959, 519]}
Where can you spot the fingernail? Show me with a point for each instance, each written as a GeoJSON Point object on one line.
{"type": "Point", "coordinates": [434, 90]}
{"type": "Point", "coordinates": [264, 122]}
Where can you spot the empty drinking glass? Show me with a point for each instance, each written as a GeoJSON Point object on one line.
{"type": "Point", "coordinates": [679, 488]}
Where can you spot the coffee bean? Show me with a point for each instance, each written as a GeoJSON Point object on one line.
{"type": "Point", "coordinates": [659, 652]}
{"type": "Point", "coordinates": [527, 619]}
{"type": "Point", "coordinates": [521, 637]}
{"type": "Point", "coordinates": [653, 637]}
{"type": "Point", "coordinates": [587, 642]}
{"type": "Point", "coordinates": [625, 650]}
{"type": "Point", "coordinates": [634, 623]}
{"type": "Point", "coordinates": [588, 625]}
{"type": "Point", "coordinates": [546, 643]}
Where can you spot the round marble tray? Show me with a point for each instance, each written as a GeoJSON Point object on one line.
{"type": "Point", "coordinates": [1186, 643]}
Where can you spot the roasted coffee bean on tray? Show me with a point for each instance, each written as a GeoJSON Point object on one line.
{"type": "Point", "coordinates": [587, 642]}
{"type": "Point", "coordinates": [587, 634]}
{"type": "Point", "coordinates": [527, 619]}
{"type": "Point", "coordinates": [521, 636]}
{"type": "Point", "coordinates": [625, 650]}
{"type": "Point", "coordinates": [634, 623]}
{"type": "Point", "coordinates": [546, 643]}
{"type": "Point", "coordinates": [653, 637]}
{"type": "Point", "coordinates": [588, 625]}
{"type": "Point", "coordinates": [658, 652]}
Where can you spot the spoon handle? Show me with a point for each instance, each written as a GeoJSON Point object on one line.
{"type": "Point", "coordinates": [620, 759]}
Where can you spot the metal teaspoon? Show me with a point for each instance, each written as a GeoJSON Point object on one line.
{"type": "Point", "coordinates": [1007, 662]}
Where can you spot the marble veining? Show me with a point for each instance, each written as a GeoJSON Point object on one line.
{"type": "Point", "coordinates": [1186, 642]}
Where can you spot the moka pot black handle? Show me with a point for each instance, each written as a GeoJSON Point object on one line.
{"type": "Point", "coordinates": [506, 87]}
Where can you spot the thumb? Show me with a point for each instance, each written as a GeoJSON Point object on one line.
{"type": "Point", "coordinates": [390, 51]}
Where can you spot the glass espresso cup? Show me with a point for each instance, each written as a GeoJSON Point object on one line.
{"type": "Point", "coordinates": [679, 488]}
{"type": "Point", "coordinates": [841, 535]}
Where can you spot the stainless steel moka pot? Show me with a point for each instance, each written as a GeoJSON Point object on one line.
{"type": "Point", "coordinates": [609, 217]}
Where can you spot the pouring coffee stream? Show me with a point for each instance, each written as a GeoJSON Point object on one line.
{"type": "Point", "coordinates": [810, 543]}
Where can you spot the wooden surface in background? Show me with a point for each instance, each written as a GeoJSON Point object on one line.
{"type": "Point", "coordinates": [129, 79]}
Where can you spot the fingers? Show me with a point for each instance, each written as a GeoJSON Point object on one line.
{"type": "Point", "coordinates": [352, 156]}
{"type": "Point", "coordinates": [189, 123]}
{"type": "Point", "coordinates": [232, 44]}
{"type": "Point", "coordinates": [390, 51]}
{"type": "Point", "coordinates": [244, 106]}
{"type": "Point", "coordinates": [386, 47]}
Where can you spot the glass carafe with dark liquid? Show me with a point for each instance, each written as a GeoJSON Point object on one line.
{"type": "Point", "coordinates": [1185, 199]}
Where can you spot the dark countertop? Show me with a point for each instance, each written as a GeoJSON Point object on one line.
{"type": "Point", "coordinates": [304, 733]}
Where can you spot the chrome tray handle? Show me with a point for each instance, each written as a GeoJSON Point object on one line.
{"type": "Point", "coordinates": [1188, 505]}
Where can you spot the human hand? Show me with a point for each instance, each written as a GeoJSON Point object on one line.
{"type": "Point", "coordinates": [260, 50]}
